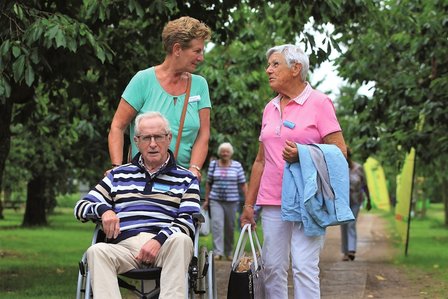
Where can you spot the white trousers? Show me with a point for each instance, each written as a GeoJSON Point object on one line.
{"type": "Point", "coordinates": [282, 240]}
{"type": "Point", "coordinates": [106, 261]}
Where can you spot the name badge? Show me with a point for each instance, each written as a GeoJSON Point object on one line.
{"type": "Point", "coordinates": [157, 187]}
{"type": "Point", "coordinates": [289, 124]}
{"type": "Point", "coordinates": [193, 99]}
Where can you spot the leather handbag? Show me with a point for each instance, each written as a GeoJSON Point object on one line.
{"type": "Point", "coordinates": [247, 273]}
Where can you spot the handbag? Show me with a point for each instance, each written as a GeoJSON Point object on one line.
{"type": "Point", "coordinates": [214, 162]}
{"type": "Point", "coordinates": [247, 273]}
{"type": "Point", "coordinates": [182, 117]}
{"type": "Point", "coordinates": [204, 229]}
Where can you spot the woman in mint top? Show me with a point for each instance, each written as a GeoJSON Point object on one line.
{"type": "Point", "coordinates": [162, 88]}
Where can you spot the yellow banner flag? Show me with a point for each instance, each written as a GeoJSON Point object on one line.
{"type": "Point", "coordinates": [404, 196]}
{"type": "Point", "coordinates": [376, 182]}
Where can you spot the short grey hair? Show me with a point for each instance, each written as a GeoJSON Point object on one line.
{"type": "Point", "coordinates": [225, 145]}
{"type": "Point", "coordinates": [292, 54]}
{"type": "Point", "coordinates": [151, 115]}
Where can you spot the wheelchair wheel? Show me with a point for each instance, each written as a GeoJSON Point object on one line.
{"type": "Point", "coordinates": [201, 288]}
{"type": "Point", "coordinates": [83, 290]}
{"type": "Point", "coordinates": [206, 280]}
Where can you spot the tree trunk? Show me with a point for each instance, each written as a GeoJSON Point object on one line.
{"type": "Point", "coordinates": [19, 94]}
{"type": "Point", "coordinates": [1, 210]}
{"type": "Point", "coordinates": [445, 199]}
{"type": "Point", "coordinates": [35, 214]}
{"type": "Point", "coordinates": [5, 140]}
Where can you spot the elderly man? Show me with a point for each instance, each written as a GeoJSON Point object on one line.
{"type": "Point", "coordinates": [146, 210]}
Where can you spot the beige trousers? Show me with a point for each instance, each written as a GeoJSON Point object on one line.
{"type": "Point", "coordinates": [106, 261]}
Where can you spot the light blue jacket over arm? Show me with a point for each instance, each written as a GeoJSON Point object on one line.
{"type": "Point", "coordinates": [304, 196]}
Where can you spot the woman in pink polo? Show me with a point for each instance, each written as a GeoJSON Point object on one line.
{"type": "Point", "coordinates": [298, 114]}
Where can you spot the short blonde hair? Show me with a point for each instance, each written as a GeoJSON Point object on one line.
{"type": "Point", "coordinates": [183, 31]}
{"type": "Point", "coordinates": [225, 145]}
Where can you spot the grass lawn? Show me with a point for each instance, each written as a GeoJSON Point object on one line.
{"type": "Point", "coordinates": [43, 262]}
{"type": "Point", "coordinates": [427, 250]}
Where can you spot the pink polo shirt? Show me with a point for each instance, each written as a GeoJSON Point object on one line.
{"type": "Point", "coordinates": [306, 119]}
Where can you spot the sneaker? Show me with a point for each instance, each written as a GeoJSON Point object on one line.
{"type": "Point", "coordinates": [217, 257]}
{"type": "Point", "coordinates": [229, 258]}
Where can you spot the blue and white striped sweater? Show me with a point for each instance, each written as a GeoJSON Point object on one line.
{"type": "Point", "coordinates": [161, 205]}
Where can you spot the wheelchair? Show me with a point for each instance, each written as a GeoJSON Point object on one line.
{"type": "Point", "coordinates": [201, 273]}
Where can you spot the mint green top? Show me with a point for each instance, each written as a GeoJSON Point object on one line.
{"type": "Point", "coordinates": [144, 93]}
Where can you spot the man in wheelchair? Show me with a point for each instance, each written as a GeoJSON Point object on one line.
{"type": "Point", "coordinates": [146, 209]}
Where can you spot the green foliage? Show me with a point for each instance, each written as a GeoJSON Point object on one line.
{"type": "Point", "coordinates": [28, 35]}
{"type": "Point", "coordinates": [401, 48]}
{"type": "Point", "coordinates": [67, 200]}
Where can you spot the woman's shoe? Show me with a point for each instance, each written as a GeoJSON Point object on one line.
{"type": "Point", "coordinates": [351, 255]}
{"type": "Point", "coordinates": [345, 258]}
{"type": "Point", "coordinates": [217, 257]}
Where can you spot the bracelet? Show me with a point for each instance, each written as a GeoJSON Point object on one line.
{"type": "Point", "coordinates": [195, 167]}
{"type": "Point", "coordinates": [248, 206]}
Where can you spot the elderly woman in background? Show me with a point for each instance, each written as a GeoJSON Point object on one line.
{"type": "Point", "coordinates": [298, 114]}
{"type": "Point", "coordinates": [225, 178]}
{"type": "Point", "coordinates": [163, 88]}
{"type": "Point", "coordinates": [358, 190]}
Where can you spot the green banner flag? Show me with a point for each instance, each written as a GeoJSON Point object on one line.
{"type": "Point", "coordinates": [404, 197]}
{"type": "Point", "coordinates": [376, 182]}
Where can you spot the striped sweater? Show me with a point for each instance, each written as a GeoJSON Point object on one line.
{"type": "Point", "coordinates": [161, 205]}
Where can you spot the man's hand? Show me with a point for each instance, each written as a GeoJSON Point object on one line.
{"type": "Point", "coordinates": [290, 152]}
{"type": "Point", "coordinates": [149, 252]}
{"type": "Point", "coordinates": [111, 224]}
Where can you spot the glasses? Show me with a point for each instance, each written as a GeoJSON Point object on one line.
{"type": "Point", "coordinates": [149, 138]}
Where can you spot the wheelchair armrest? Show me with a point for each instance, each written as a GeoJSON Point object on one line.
{"type": "Point", "coordinates": [198, 218]}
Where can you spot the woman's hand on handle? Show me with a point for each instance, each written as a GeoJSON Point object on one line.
{"type": "Point", "coordinates": [247, 216]}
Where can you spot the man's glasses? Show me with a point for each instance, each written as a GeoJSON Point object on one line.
{"type": "Point", "coordinates": [148, 138]}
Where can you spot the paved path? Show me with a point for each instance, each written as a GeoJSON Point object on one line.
{"type": "Point", "coordinates": [342, 279]}
{"type": "Point", "coordinates": [371, 275]}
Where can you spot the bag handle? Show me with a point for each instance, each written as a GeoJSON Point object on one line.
{"type": "Point", "coordinates": [182, 117]}
{"type": "Point", "coordinates": [214, 162]}
{"type": "Point", "coordinates": [242, 243]}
